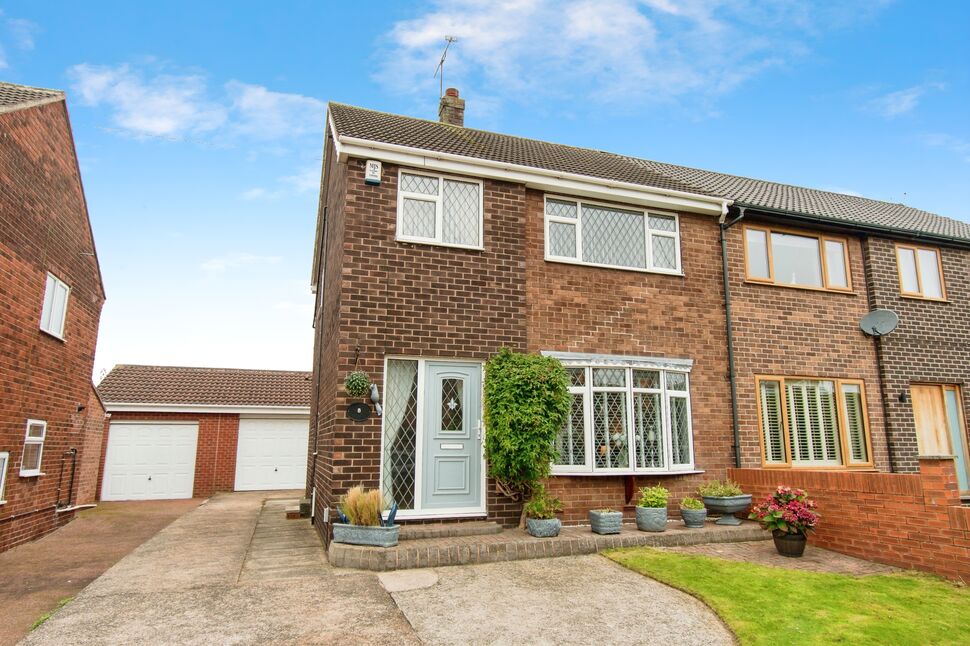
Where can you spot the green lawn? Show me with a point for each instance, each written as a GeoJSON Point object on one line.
{"type": "Point", "coordinates": [766, 605]}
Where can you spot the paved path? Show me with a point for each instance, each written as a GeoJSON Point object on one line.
{"type": "Point", "coordinates": [815, 559]}
{"type": "Point", "coordinates": [35, 576]}
{"type": "Point", "coordinates": [569, 600]}
{"type": "Point", "coordinates": [210, 578]}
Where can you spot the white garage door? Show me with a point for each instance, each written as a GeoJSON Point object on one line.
{"type": "Point", "coordinates": [149, 461]}
{"type": "Point", "coordinates": [271, 454]}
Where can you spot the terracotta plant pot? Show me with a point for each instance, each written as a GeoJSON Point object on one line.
{"type": "Point", "coordinates": [790, 545]}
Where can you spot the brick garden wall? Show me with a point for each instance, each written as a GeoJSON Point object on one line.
{"type": "Point", "coordinates": [909, 521]}
{"type": "Point", "coordinates": [43, 227]}
{"type": "Point", "coordinates": [930, 345]}
{"type": "Point", "coordinates": [799, 332]}
{"type": "Point", "coordinates": [215, 459]}
{"type": "Point", "coordinates": [575, 308]}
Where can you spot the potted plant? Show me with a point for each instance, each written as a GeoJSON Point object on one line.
{"type": "Point", "coordinates": [652, 509]}
{"type": "Point", "coordinates": [693, 513]}
{"type": "Point", "coordinates": [363, 524]}
{"type": "Point", "coordinates": [725, 498]}
{"type": "Point", "coordinates": [790, 516]}
{"type": "Point", "coordinates": [357, 384]}
{"type": "Point", "coordinates": [540, 513]}
{"type": "Point", "coordinates": [605, 521]}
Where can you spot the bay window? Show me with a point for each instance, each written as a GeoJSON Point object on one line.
{"type": "Point", "coordinates": [813, 422]}
{"type": "Point", "coordinates": [628, 415]}
{"type": "Point", "coordinates": [608, 236]}
{"type": "Point", "coordinates": [788, 259]}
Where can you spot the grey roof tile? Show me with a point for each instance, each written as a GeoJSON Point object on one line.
{"type": "Point", "coordinates": [839, 208]}
{"type": "Point", "coordinates": [13, 96]}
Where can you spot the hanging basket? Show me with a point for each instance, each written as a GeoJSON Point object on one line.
{"type": "Point", "coordinates": [357, 384]}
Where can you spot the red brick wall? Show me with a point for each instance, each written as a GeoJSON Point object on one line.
{"type": "Point", "coordinates": [43, 227]}
{"type": "Point", "coordinates": [215, 458]}
{"type": "Point", "coordinates": [910, 521]}
{"type": "Point", "coordinates": [799, 332]}
{"type": "Point", "coordinates": [573, 308]}
{"type": "Point", "coordinates": [931, 344]}
{"type": "Point", "coordinates": [89, 461]}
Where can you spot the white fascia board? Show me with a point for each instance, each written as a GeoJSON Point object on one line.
{"type": "Point", "coordinates": [536, 178]}
{"type": "Point", "coordinates": [125, 407]}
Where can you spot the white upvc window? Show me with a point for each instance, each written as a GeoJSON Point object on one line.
{"type": "Point", "coordinates": [54, 313]}
{"type": "Point", "coordinates": [601, 235]}
{"type": "Point", "coordinates": [626, 416]}
{"type": "Point", "coordinates": [439, 210]}
{"type": "Point", "coordinates": [33, 447]}
{"type": "Point", "coordinates": [4, 460]}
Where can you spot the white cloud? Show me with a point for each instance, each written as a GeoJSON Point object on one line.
{"type": "Point", "coordinates": [902, 102]}
{"type": "Point", "coordinates": [300, 183]}
{"type": "Point", "coordinates": [236, 260]}
{"type": "Point", "coordinates": [18, 32]}
{"type": "Point", "coordinates": [956, 145]}
{"type": "Point", "coordinates": [600, 50]}
{"type": "Point", "coordinates": [162, 105]}
{"type": "Point", "coordinates": [150, 100]}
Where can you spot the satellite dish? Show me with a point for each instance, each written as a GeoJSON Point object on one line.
{"type": "Point", "coordinates": [879, 322]}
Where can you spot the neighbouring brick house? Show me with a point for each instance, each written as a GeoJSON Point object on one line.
{"type": "Point", "coordinates": [439, 244]}
{"type": "Point", "coordinates": [51, 419]}
{"type": "Point", "coordinates": [179, 432]}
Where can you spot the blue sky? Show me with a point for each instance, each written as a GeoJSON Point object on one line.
{"type": "Point", "coordinates": [199, 124]}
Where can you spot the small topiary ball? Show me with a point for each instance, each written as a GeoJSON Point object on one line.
{"type": "Point", "coordinates": [357, 383]}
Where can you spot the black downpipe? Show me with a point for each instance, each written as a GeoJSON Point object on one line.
{"type": "Point", "coordinates": [72, 453]}
{"type": "Point", "coordinates": [730, 337]}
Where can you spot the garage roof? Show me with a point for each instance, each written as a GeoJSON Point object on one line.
{"type": "Point", "coordinates": [134, 384]}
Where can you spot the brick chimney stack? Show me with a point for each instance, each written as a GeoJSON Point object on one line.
{"type": "Point", "coordinates": [452, 108]}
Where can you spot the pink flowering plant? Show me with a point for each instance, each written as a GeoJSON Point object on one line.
{"type": "Point", "coordinates": [787, 510]}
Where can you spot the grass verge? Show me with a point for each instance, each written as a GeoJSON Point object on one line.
{"type": "Point", "coordinates": [769, 605]}
{"type": "Point", "coordinates": [47, 615]}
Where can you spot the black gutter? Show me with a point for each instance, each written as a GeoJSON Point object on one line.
{"type": "Point", "coordinates": [732, 376]}
{"type": "Point", "coordinates": [857, 227]}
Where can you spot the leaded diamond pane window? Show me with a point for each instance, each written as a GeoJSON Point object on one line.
{"type": "Point", "coordinates": [440, 210]}
{"type": "Point", "coordinates": [452, 404]}
{"type": "Point", "coordinates": [603, 235]}
{"type": "Point", "coordinates": [646, 379]}
{"type": "Point", "coordinates": [577, 376]}
{"type": "Point", "coordinates": [571, 441]}
{"type": "Point", "coordinates": [615, 377]}
{"type": "Point", "coordinates": [648, 416]}
{"type": "Point", "coordinates": [679, 431]}
{"type": "Point", "coordinates": [676, 381]}
{"type": "Point", "coordinates": [610, 430]}
{"type": "Point", "coordinates": [400, 431]}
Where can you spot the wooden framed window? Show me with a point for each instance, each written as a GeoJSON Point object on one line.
{"type": "Point", "coordinates": [920, 272]}
{"type": "Point", "coordinates": [601, 235]}
{"type": "Point", "coordinates": [794, 259]}
{"type": "Point", "coordinates": [54, 312]}
{"type": "Point", "coordinates": [33, 448]}
{"type": "Point", "coordinates": [439, 210]}
{"type": "Point", "coordinates": [813, 422]}
{"type": "Point", "coordinates": [4, 459]}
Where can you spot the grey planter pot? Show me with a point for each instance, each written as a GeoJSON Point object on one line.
{"type": "Point", "coordinates": [727, 507]}
{"type": "Point", "coordinates": [606, 522]}
{"type": "Point", "coordinates": [543, 527]}
{"type": "Point", "coordinates": [366, 535]}
{"type": "Point", "coordinates": [651, 519]}
{"type": "Point", "coordinates": [694, 518]}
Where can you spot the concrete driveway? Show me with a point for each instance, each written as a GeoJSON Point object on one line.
{"type": "Point", "coordinates": [234, 571]}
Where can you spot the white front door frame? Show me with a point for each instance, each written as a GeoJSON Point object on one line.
{"type": "Point", "coordinates": [418, 513]}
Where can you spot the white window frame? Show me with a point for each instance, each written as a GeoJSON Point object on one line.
{"type": "Point", "coordinates": [54, 281]}
{"type": "Point", "coordinates": [589, 468]}
{"type": "Point", "coordinates": [5, 459]}
{"type": "Point", "coordinates": [34, 440]}
{"type": "Point", "coordinates": [648, 235]}
{"type": "Point", "coordinates": [438, 211]}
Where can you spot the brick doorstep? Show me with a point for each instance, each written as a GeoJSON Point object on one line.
{"type": "Point", "coordinates": [517, 545]}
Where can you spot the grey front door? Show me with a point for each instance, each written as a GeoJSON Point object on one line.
{"type": "Point", "coordinates": [452, 470]}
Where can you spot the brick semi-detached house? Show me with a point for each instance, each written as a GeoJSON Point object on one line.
{"type": "Point", "coordinates": [51, 420]}
{"type": "Point", "coordinates": [189, 432]}
{"type": "Point", "coordinates": [707, 321]}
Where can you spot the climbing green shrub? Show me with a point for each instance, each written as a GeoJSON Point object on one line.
{"type": "Point", "coordinates": [527, 402]}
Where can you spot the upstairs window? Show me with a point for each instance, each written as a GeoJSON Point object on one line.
{"type": "Point", "coordinates": [54, 313]}
{"type": "Point", "coordinates": [33, 447]}
{"type": "Point", "coordinates": [435, 209]}
{"type": "Point", "coordinates": [920, 272]}
{"type": "Point", "coordinates": [796, 260]}
{"type": "Point", "coordinates": [4, 459]}
{"type": "Point", "coordinates": [608, 236]}
{"type": "Point", "coordinates": [813, 422]}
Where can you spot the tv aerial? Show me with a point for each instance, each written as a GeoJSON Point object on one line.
{"type": "Point", "coordinates": [439, 71]}
{"type": "Point", "coordinates": [879, 322]}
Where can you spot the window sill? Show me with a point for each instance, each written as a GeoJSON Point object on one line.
{"type": "Point", "coordinates": [622, 473]}
{"type": "Point", "coordinates": [3, 502]}
{"type": "Point", "coordinates": [804, 288]}
{"type": "Point", "coordinates": [580, 263]}
{"type": "Point", "coordinates": [914, 297]}
{"type": "Point", "coordinates": [32, 474]}
{"type": "Point", "coordinates": [435, 243]}
{"type": "Point", "coordinates": [52, 335]}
